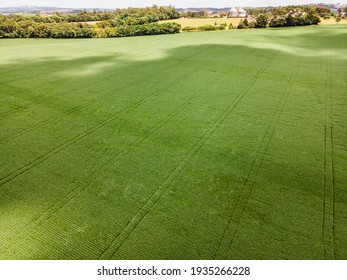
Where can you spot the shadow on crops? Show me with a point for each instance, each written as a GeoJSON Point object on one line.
{"type": "Point", "coordinates": [315, 37]}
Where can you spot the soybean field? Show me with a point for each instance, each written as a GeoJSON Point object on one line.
{"type": "Point", "coordinates": [211, 145]}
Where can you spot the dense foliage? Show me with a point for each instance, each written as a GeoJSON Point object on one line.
{"type": "Point", "coordinates": [261, 21]}
{"type": "Point", "coordinates": [257, 11]}
{"type": "Point", "coordinates": [207, 27]}
{"type": "Point", "coordinates": [295, 19]}
{"type": "Point", "coordinates": [284, 16]}
{"type": "Point", "coordinates": [324, 12]}
{"type": "Point", "coordinates": [125, 16]}
{"type": "Point", "coordinates": [120, 23]}
{"type": "Point", "coordinates": [195, 14]}
{"type": "Point", "coordinates": [138, 30]}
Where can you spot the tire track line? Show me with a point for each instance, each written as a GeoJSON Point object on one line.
{"type": "Point", "coordinates": [249, 184]}
{"type": "Point", "coordinates": [332, 153]}
{"type": "Point", "coordinates": [123, 235]}
{"type": "Point", "coordinates": [91, 179]}
{"type": "Point", "coordinates": [328, 223]}
{"type": "Point", "coordinates": [325, 174]}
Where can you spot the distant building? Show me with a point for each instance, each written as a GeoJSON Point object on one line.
{"type": "Point", "coordinates": [214, 15]}
{"type": "Point", "coordinates": [237, 12]}
{"type": "Point", "coordinates": [233, 12]}
{"type": "Point", "coordinates": [242, 12]}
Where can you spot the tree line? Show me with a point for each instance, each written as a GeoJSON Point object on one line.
{"type": "Point", "coordinates": [119, 23]}
{"type": "Point", "coordinates": [294, 19]}
{"type": "Point", "coordinates": [283, 17]}
{"type": "Point", "coordinates": [206, 27]}
{"type": "Point", "coordinates": [125, 16]}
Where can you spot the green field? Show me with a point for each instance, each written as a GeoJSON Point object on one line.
{"type": "Point", "coordinates": [209, 145]}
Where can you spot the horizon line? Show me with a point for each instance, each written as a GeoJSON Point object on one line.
{"type": "Point", "coordinates": [196, 7]}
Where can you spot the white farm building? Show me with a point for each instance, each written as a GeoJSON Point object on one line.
{"type": "Point", "coordinates": [233, 12]}
{"type": "Point", "coordinates": [237, 12]}
{"type": "Point", "coordinates": [242, 13]}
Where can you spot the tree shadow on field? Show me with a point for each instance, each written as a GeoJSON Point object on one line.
{"type": "Point", "coordinates": [313, 37]}
{"type": "Point", "coordinates": [99, 136]}
{"type": "Point", "coordinates": [305, 41]}
{"type": "Point", "coordinates": [48, 79]}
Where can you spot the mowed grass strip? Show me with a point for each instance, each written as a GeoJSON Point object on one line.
{"type": "Point", "coordinates": [199, 146]}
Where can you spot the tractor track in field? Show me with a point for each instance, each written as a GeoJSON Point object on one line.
{"type": "Point", "coordinates": [47, 214]}
{"type": "Point", "coordinates": [85, 133]}
{"type": "Point", "coordinates": [325, 170]}
{"type": "Point", "coordinates": [248, 188]}
{"type": "Point", "coordinates": [328, 221]}
{"type": "Point", "coordinates": [332, 157]}
{"type": "Point", "coordinates": [124, 234]}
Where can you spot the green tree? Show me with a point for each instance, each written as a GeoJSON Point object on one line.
{"type": "Point", "coordinates": [323, 11]}
{"type": "Point", "coordinates": [241, 25]}
{"type": "Point", "coordinates": [290, 20]}
{"type": "Point", "coordinates": [312, 18]}
{"type": "Point", "coordinates": [245, 22]}
{"type": "Point", "coordinates": [277, 22]}
{"type": "Point", "coordinates": [261, 21]}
